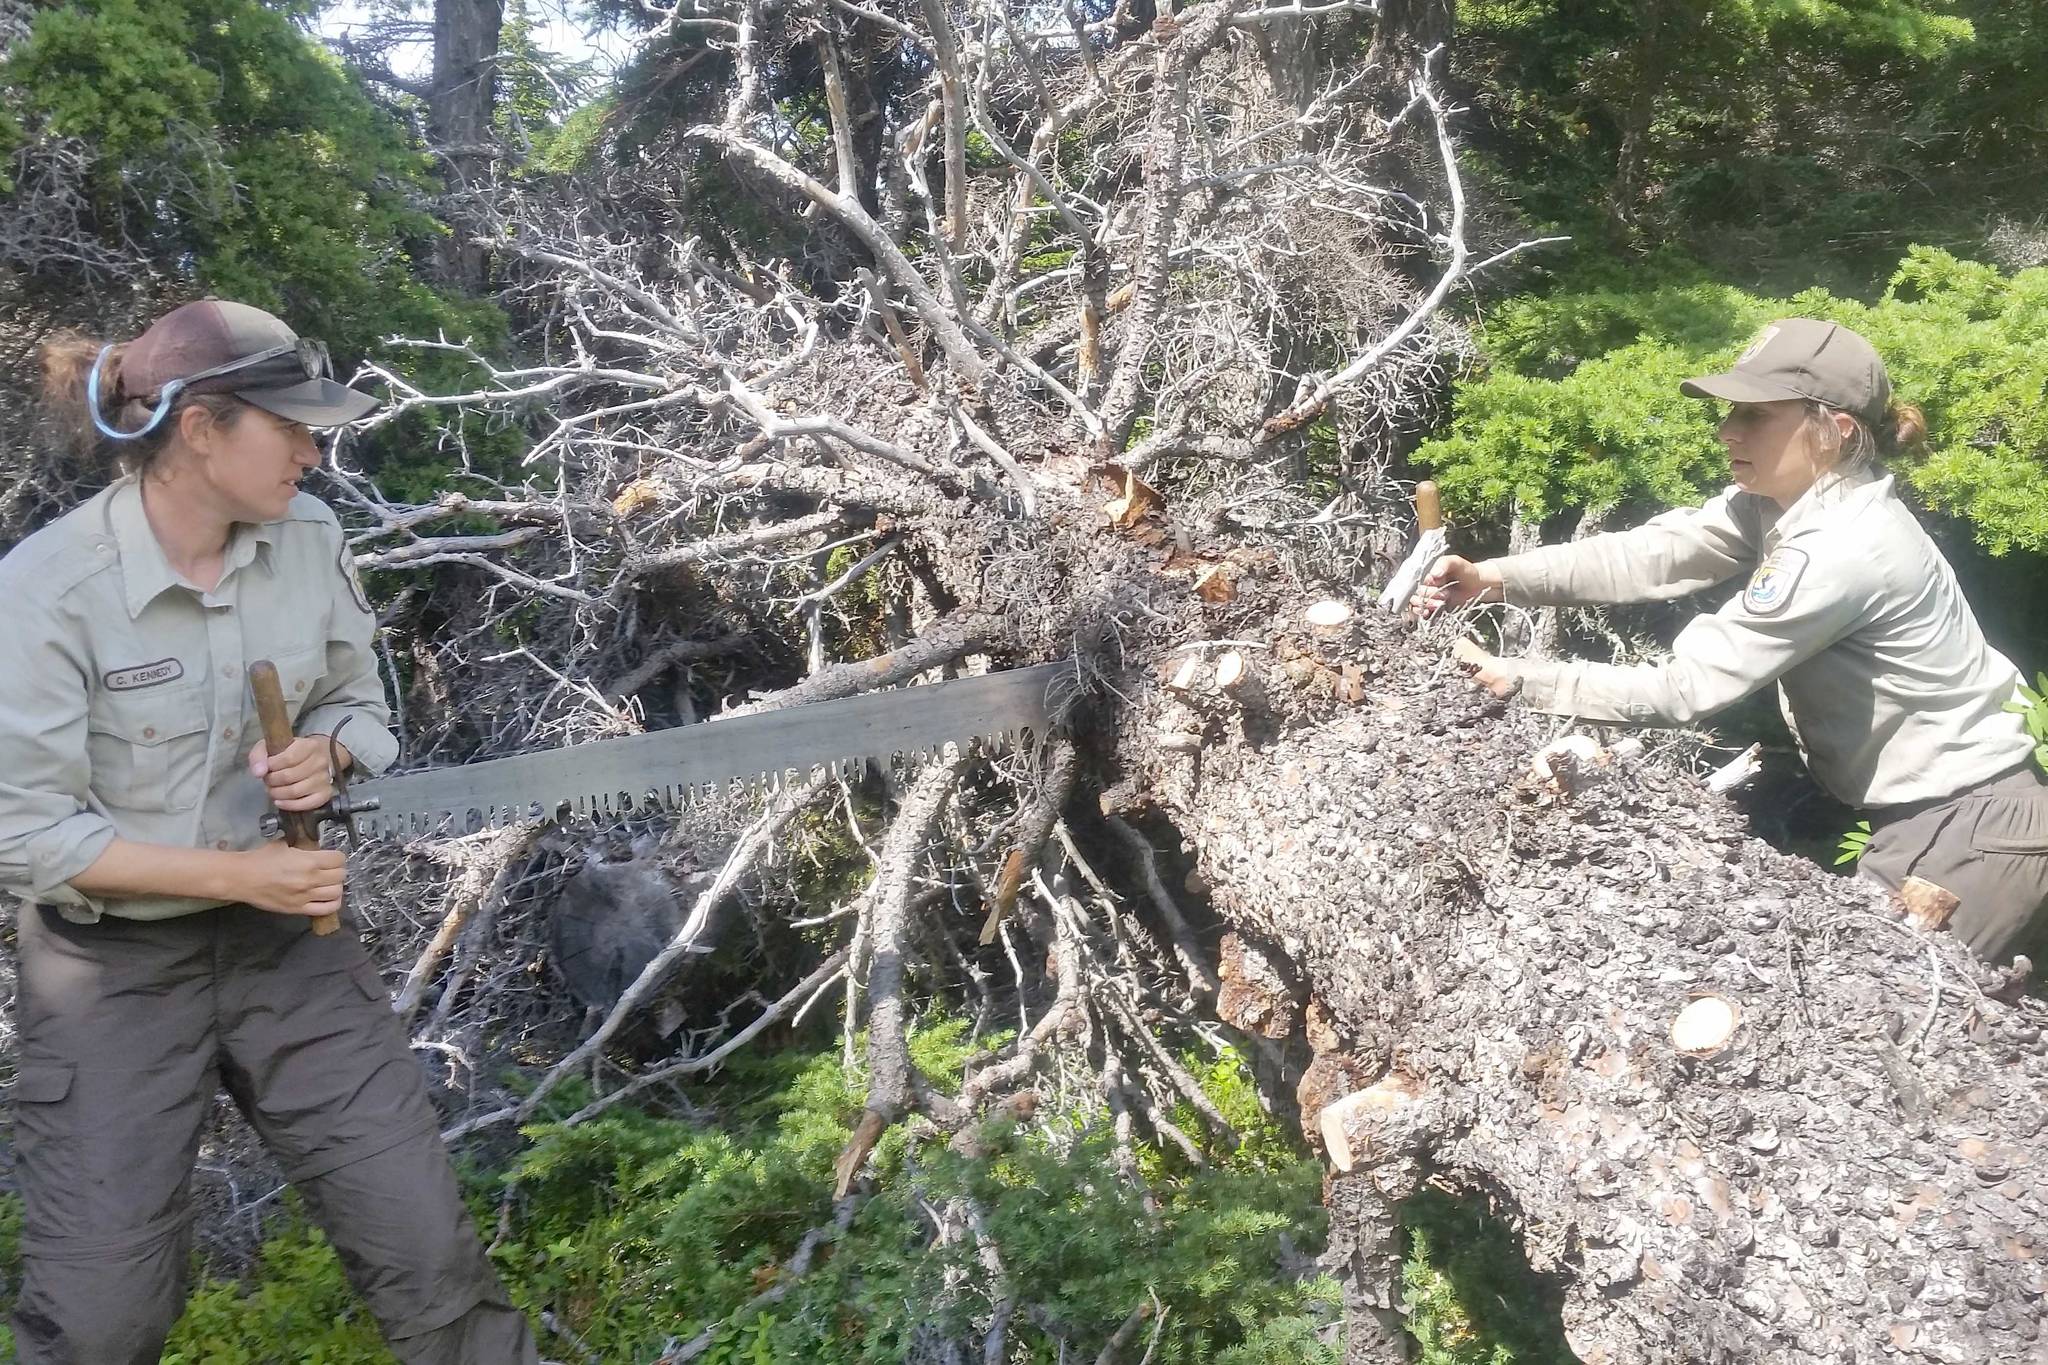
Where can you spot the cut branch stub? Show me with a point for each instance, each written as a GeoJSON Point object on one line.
{"type": "Point", "coordinates": [1928, 904]}
{"type": "Point", "coordinates": [1383, 1120]}
{"type": "Point", "coordinates": [1328, 614]}
{"type": "Point", "coordinates": [1705, 1026]}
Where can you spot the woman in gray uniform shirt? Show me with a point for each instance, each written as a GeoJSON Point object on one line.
{"type": "Point", "coordinates": [1896, 700]}
{"type": "Point", "coordinates": [163, 946]}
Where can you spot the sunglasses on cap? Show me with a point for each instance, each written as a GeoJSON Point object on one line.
{"type": "Point", "coordinates": [278, 367]}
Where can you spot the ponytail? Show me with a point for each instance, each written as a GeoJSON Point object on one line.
{"type": "Point", "coordinates": [1900, 432]}
{"type": "Point", "coordinates": [69, 359]}
{"type": "Point", "coordinates": [1905, 430]}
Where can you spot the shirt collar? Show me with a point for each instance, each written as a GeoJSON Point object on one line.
{"type": "Point", "coordinates": [145, 573]}
{"type": "Point", "coordinates": [1833, 490]}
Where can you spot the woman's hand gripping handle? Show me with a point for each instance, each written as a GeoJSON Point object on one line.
{"type": "Point", "coordinates": [301, 828]}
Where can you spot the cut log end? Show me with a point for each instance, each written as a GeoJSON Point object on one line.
{"type": "Point", "coordinates": [1229, 670]}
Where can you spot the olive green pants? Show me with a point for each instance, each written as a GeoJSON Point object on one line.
{"type": "Point", "coordinates": [1989, 846]}
{"type": "Point", "coordinates": [127, 1030]}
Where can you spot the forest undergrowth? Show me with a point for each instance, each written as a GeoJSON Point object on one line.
{"type": "Point", "coordinates": [629, 1235]}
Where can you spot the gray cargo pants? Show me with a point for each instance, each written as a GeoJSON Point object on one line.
{"type": "Point", "coordinates": [127, 1030]}
{"type": "Point", "coordinates": [1989, 846]}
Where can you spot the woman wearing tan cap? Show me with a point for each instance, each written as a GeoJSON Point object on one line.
{"type": "Point", "coordinates": [1896, 700]}
{"type": "Point", "coordinates": [163, 945]}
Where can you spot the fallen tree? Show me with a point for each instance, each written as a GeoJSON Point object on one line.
{"type": "Point", "coordinates": [1128, 387]}
{"type": "Point", "coordinates": [1487, 966]}
{"type": "Point", "coordinates": [1504, 978]}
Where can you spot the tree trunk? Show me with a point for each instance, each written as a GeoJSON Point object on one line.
{"type": "Point", "coordinates": [459, 124]}
{"type": "Point", "coordinates": [1501, 961]}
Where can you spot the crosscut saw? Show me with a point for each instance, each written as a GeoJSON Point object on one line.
{"type": "Point", "coordinates": [671, 769]}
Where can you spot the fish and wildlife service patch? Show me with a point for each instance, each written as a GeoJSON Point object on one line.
{"type": "Point", "coordinates": [1770, 587]}
{"type": "Point", "coordinates": [1763, 339]}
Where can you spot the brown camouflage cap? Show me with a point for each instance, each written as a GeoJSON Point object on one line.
{"type": "Point", "coordinates": [1805, 358]}
{"type": "Point", "coordinates": [214, 332]}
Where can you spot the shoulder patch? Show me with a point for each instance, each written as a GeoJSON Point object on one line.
{"type": "Point", "coordinates": [1770, 587]}
{"type": "Point", "coordinates": [346, 563]}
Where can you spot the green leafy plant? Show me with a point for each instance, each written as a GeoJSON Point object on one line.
{"type": "Point", "coordinates": [2032, 705]}
{"type": "Point", "coordinates": [634, 1228]}
{"type": "Point", "coordinates": [1854, 843]}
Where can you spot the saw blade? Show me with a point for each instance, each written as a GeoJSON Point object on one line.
{"type": "Point", "coordinates": [670, 769]}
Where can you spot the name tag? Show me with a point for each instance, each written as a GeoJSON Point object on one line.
{"type": "Point", "coordinates": [143, 675]}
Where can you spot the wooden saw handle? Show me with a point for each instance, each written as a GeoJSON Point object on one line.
{"type": "Point", "coordinates": [301, 830]}
{"type": "Point", "coordinates": [1429, 509]}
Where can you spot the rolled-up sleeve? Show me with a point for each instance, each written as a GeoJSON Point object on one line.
{"type": "Point", "coordinates": [50, 830]}
{"type": "Point", "coordinates": [351, 688]}
{"type": "Point", "coordinates": [1669, 556]}
{"type": "Point", "coordinates": [1720, 658]}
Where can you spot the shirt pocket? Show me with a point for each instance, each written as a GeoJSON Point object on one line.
{"type": "Point", "coordinates": [298, 675]}
{"type": "Point", "coordinates": [148, 748]}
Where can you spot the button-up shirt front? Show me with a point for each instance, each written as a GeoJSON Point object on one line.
{"type": "Point", "coordinates": [1888, 684]}
{"type": "Point", "coordinates": [125, 708]}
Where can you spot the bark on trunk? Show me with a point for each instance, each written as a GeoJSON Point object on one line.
{"type": "Point", "coordinates": [459, 120]}
{"type": "Point", "coordinates": [1856, 1175]}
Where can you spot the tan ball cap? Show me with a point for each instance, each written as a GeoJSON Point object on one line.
{"type": "Point", "coordinates": [1805, 358]}
{"type": "Point", "coordinates": [215, 333]}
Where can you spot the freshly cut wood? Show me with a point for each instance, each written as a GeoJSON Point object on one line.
{"type": "Point", "coordinates": [1705, 1026]}
{"type": "Point", "coordinates": [1738, 770]}
{"type": "Point", "coordinates": [1365, 1123]}
{"type": "Point", "coordinates": [1928, 904]}
{"type": "Point", "coordinates": [1138, 499]}
{"type": "Point", "coordinates": [1229, 669]}
{"type": "Point", "coordinates": [1328, 613]}
{"type": "Point", "coordinates": [1217, 583]}
{"type": "Point", "coordinates": [1185, 676]}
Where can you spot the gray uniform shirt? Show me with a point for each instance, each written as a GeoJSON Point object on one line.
{"type": "Point", "coordinates": [125, 708]}
{"type": "Point", "coordinates": [1888, 684]}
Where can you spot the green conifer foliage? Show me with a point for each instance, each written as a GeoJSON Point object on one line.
{"type": "Point", "coordinates": [236, 152]}
{"type": "Point", "coordinates": [1578, 405]}
{"type": "Point", "coordinates": [230, 150]}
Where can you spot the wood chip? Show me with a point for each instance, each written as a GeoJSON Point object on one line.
{"type": "Point", "coordinates": [1138, 498]}
{"type": "Point", "coordinates": [1217, 583]}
